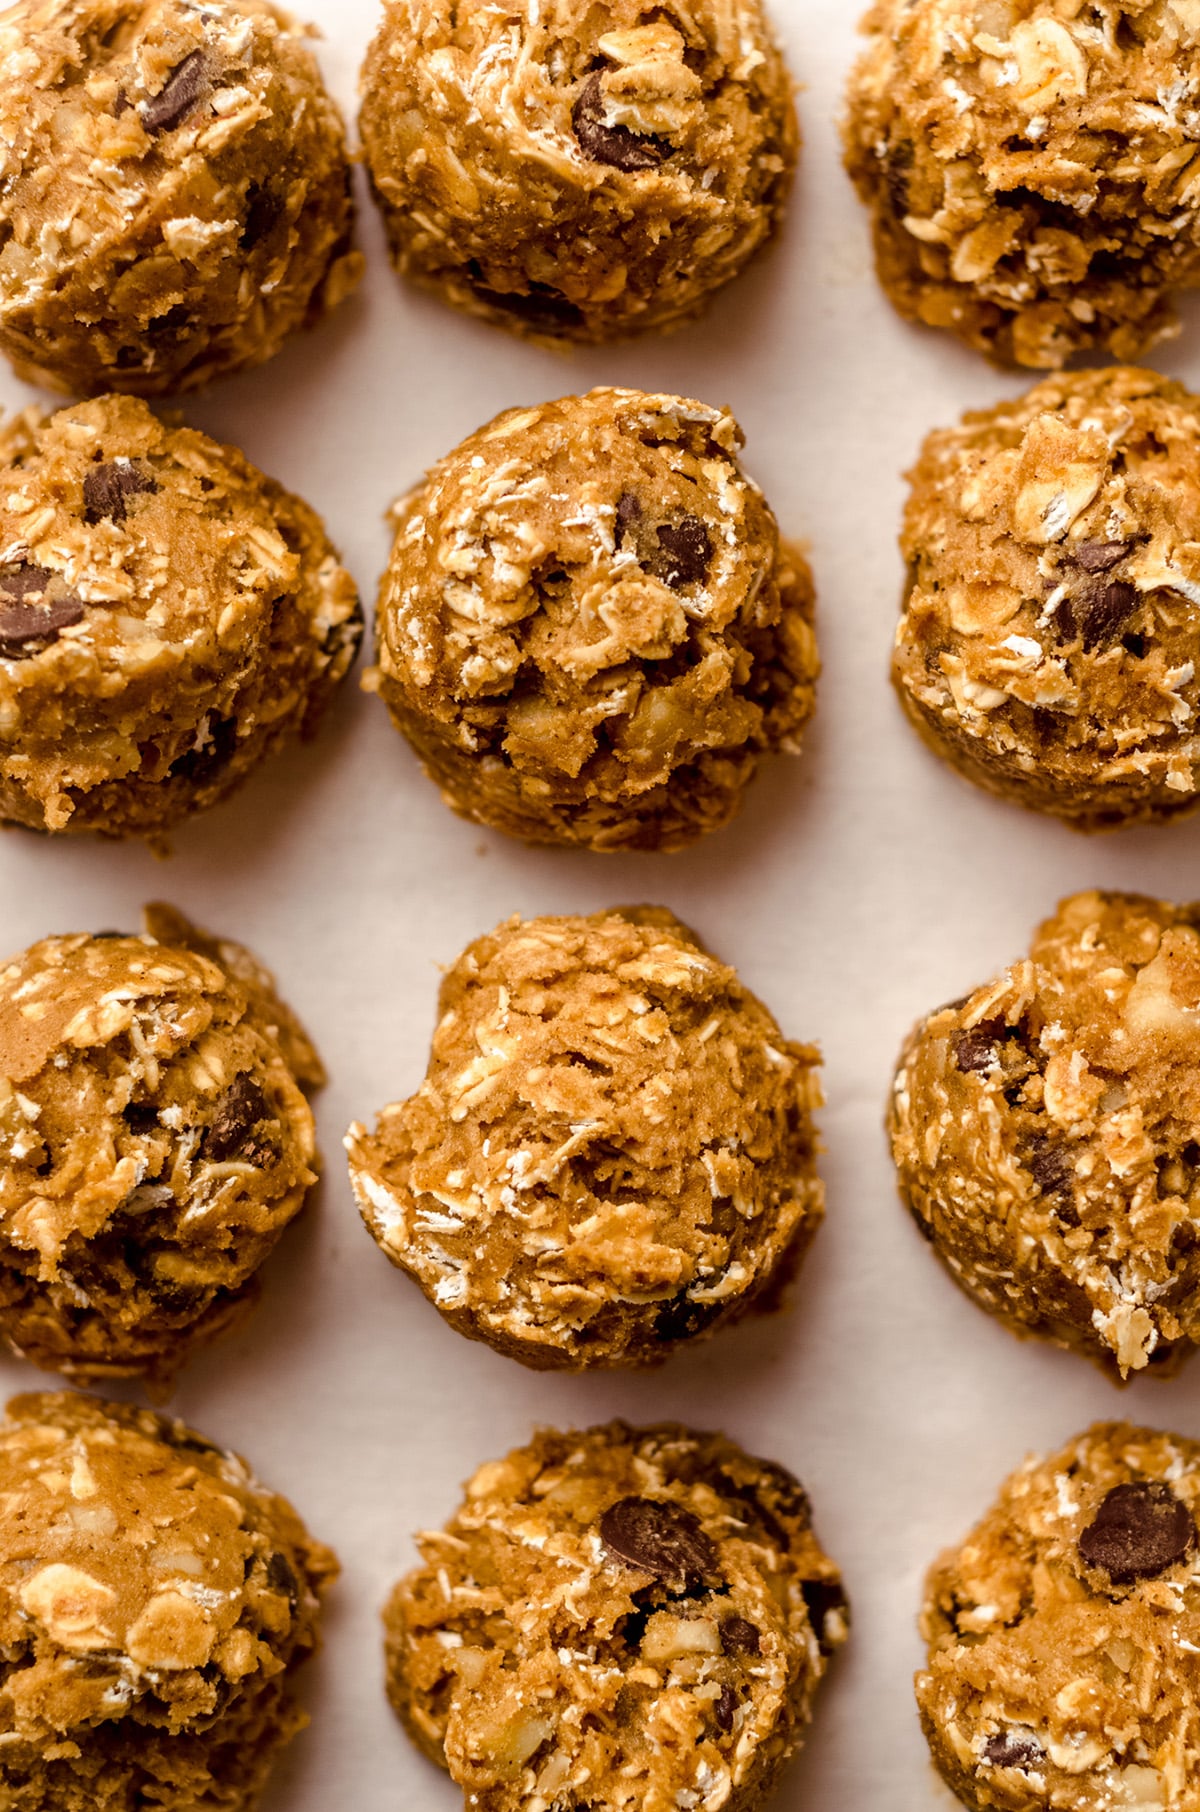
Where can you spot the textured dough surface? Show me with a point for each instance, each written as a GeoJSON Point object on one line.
{"type": "Point", "coordinates": [589, 629]}
{"type": "Point", "coordinates": [1047, 646]}
{"type": "Point", "coordinates": [621, 1618]}
{"type": "Point", "coordinates": [1031, 169]}
{"type": "Point", "coordinates": [154, 1601]}
{"type": "Point", "coordinates": [575, 172]}
{"type": "Point", "coordinates": [613, 1150]}
{"type": "Point", "coordinates": [168, 618]}
{"type": "Point", "coordinates": [1045, 1133]}
{"type": "Point", "coordinates": [174, 191]}
{"type": "Point", "coordinates": [154, 1143]}
{"type": "Point", "coordinates": [1064, 1635]}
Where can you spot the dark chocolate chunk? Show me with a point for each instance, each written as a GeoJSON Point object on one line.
{"type": "Point", "coordinates": [726, 1705]}
{"type": "Point", "coordinates": [199, 766]}
{"type": "Point", "coordinates": [1013, 1749]}
{"type": "Point", "coordinates": [241, 1108]}
{"type": "Point", "coordinates": [976, 1048]}
{"type": "Point", "coordinates": [108, 488]}
{"type": "Point", "coordinates": [739, 1637]}
{"type": "Point", "coordinates": [182, 91]}
{"type": "Point", "coordinates": [264, 211]}
{"type": "Point", "coordinates": [662, 1539]}
{"type": "Point", "coordinates": [822, 1598]}
{"type": "Point", "coordinates": [1139, 1531]}
{"type": "Point", "coordinates": [616, 146]}
{"type": "Point", "coordinates": [682, 1319]}
{"type": "Point", "coordinates": [25, 627]}
{"type": "Point", "coordinates": [684, 553]}
{"type": "Point", "coordinates": [1102, 610]}
{"type": "Point", "coordinates": [20, 579]}
{"type": "Point", "coordinates": [1101, 556]}
{"type": "Point", "coordinates": [281, 1578]}
{"type": "Point", "coordinates": [1048, 1162]}
{"type": "Point", "coordinates": [540, 307]}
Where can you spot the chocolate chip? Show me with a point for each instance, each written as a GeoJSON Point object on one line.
{"type": "Point", "coordinates": [682, 1319]}
{"type": "Point", "coordinates": [199, 766]}
{"type": "Point", "coordinates": [186, 85]}
{"type": "Point", "coordinates": [1101, 556]}
{"type": "Point", "coordinates": [1103, 608]}
{"type": "Point", "coordinates": [822, 1598]}
{"type": "Point", "coordinates": [239, 1111]}
{"type": "Point", "coordinates": [976, 1049]}
{"type": "Point", "coordinates": [264, 211]}
{"type": "Point", "coordinates": [1048, 1162]}
{"type": "Point", "coordinates": [108, 488]}
{"type": "Point", "coordinates": [20, 579]}
{"type": "Point", "coordinates": [140, 1117]}
{"type": "Point", "coordinates": [739, 1637]}
{"type": "Point", "coordinates": [662, 1539]}
{"type": "Point", "coordinates": [281, 1578]}
{"type": "Point", "coordinates": [25, 630]}
{"type": "Point", "coordinates": [540, 307]}
{"type": "Point", "coordinates": [1140, 1530]}
{"type": "Point", "coordinates": [616, 146]}
{"type": "Point", "coordinates": [1013, 1749]}
{"type": "Point", "coordinates": [727, 1703]}
{"type": "Point", "coordinates": [684, 553]}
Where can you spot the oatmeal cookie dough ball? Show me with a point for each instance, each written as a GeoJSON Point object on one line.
{"type": "Point", "coordinates": [155, 1600]}
{"type": "Point", "coordinates": [174, 191]}
{"type": "Point", "coordinates": [577, 173]}
{"type": "Point", "coordinates": [613, 1149]}
{"type": "Point", "coordinates": [589, 629]}
{"type": "Point", "coordinates": [168, 618]}
{"type": "Point", "coordinates": [1064, 1635]}
{"type": "Point", "coordinates": [1030, 169]}
{"type": "Point", "coordinates": [154, 1143]}
{"type": "Point", "coordinates": [679, 1665]}
{"type": "Point", "coordinates": [1047, 646]}
{"type": "Point", "coordinates": [1046, 1131]}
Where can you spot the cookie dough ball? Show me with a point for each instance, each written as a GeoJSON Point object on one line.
{"type": "Point", "coordinates": [1064, 1635]}
{"type": "Point", "coordinates": [1028, 168]}
{"type": "Point", "coordinates": [154, 1143]}
{"type": "Point", "coordinates": [1047, 646]}
{"type": "Point", "coordinates": [589, 629]}
{"type": "Point", "coordinates": [612, 1151]}
{"type": "Point", "coordinates": [155, 1600]}
{"type": "Point", "coordinates": [621, 1618]}
{"type": "Point", "coordinates": [577, 173]}
{"type": "Point", "coordinates": [174, 191]}
{"type": "Point", "coordinates": [168, 618]}
{"type": "Point", "coordinates": [1045, 1132]}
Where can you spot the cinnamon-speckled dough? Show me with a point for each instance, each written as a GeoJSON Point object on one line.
{"type": "Point", "coordinates": [1031, 168]}
{"type": "Point", "coordinates": [1064, 1635]}
{"type": "Point", "coordinates": [154, 1143]}
{"type": "Point", "coordinates": [577, 173]}
{"type": "Point", "coordinates": [589, 629]}
{"type": "Point", "coordinates": [168, 617]}
{"type": "Point", "coordinates": [621, 1618]}
{"type": "Point", "coordinates": [1046, 1131]}
{"type": "Point", "coordinates": [612, 1151]}
{"type": "Point", "coordinates": [154, 1601]}
{"type": "Point", "coordinates": [1048, 642]}
{"type": "Point", "coordinates": [174, 191]}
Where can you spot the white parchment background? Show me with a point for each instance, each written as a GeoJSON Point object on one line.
{"type": "Point", "coordinates": [863, 885]}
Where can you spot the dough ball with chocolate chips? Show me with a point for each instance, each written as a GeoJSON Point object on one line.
{"type": "Point", "coordinates": [1048, 642]}
{"type": "Point", "coordinates": [168, 618]}
{"type": "Point", "coordinates": [174, 191]}
{"type": "Point", "coordinates": [155, 1602]}
{"type": "Point", "coordinates": [1028, 165]}
{"type": "Point", "coordinates": [577, 173]}
{"type": "Point", "coordinates": [589, 629]}
{"type": "Point", "coordinates": [154, 1143]}
{"type": "Point", "coordinates": [613, 1150]}
{"type": "Point", "coordinates": [1064, 1634]}
{"type": "Point", "coordinates": [1045, 1130]}
{"type": "Point", "coordinates": [620, 1619]}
